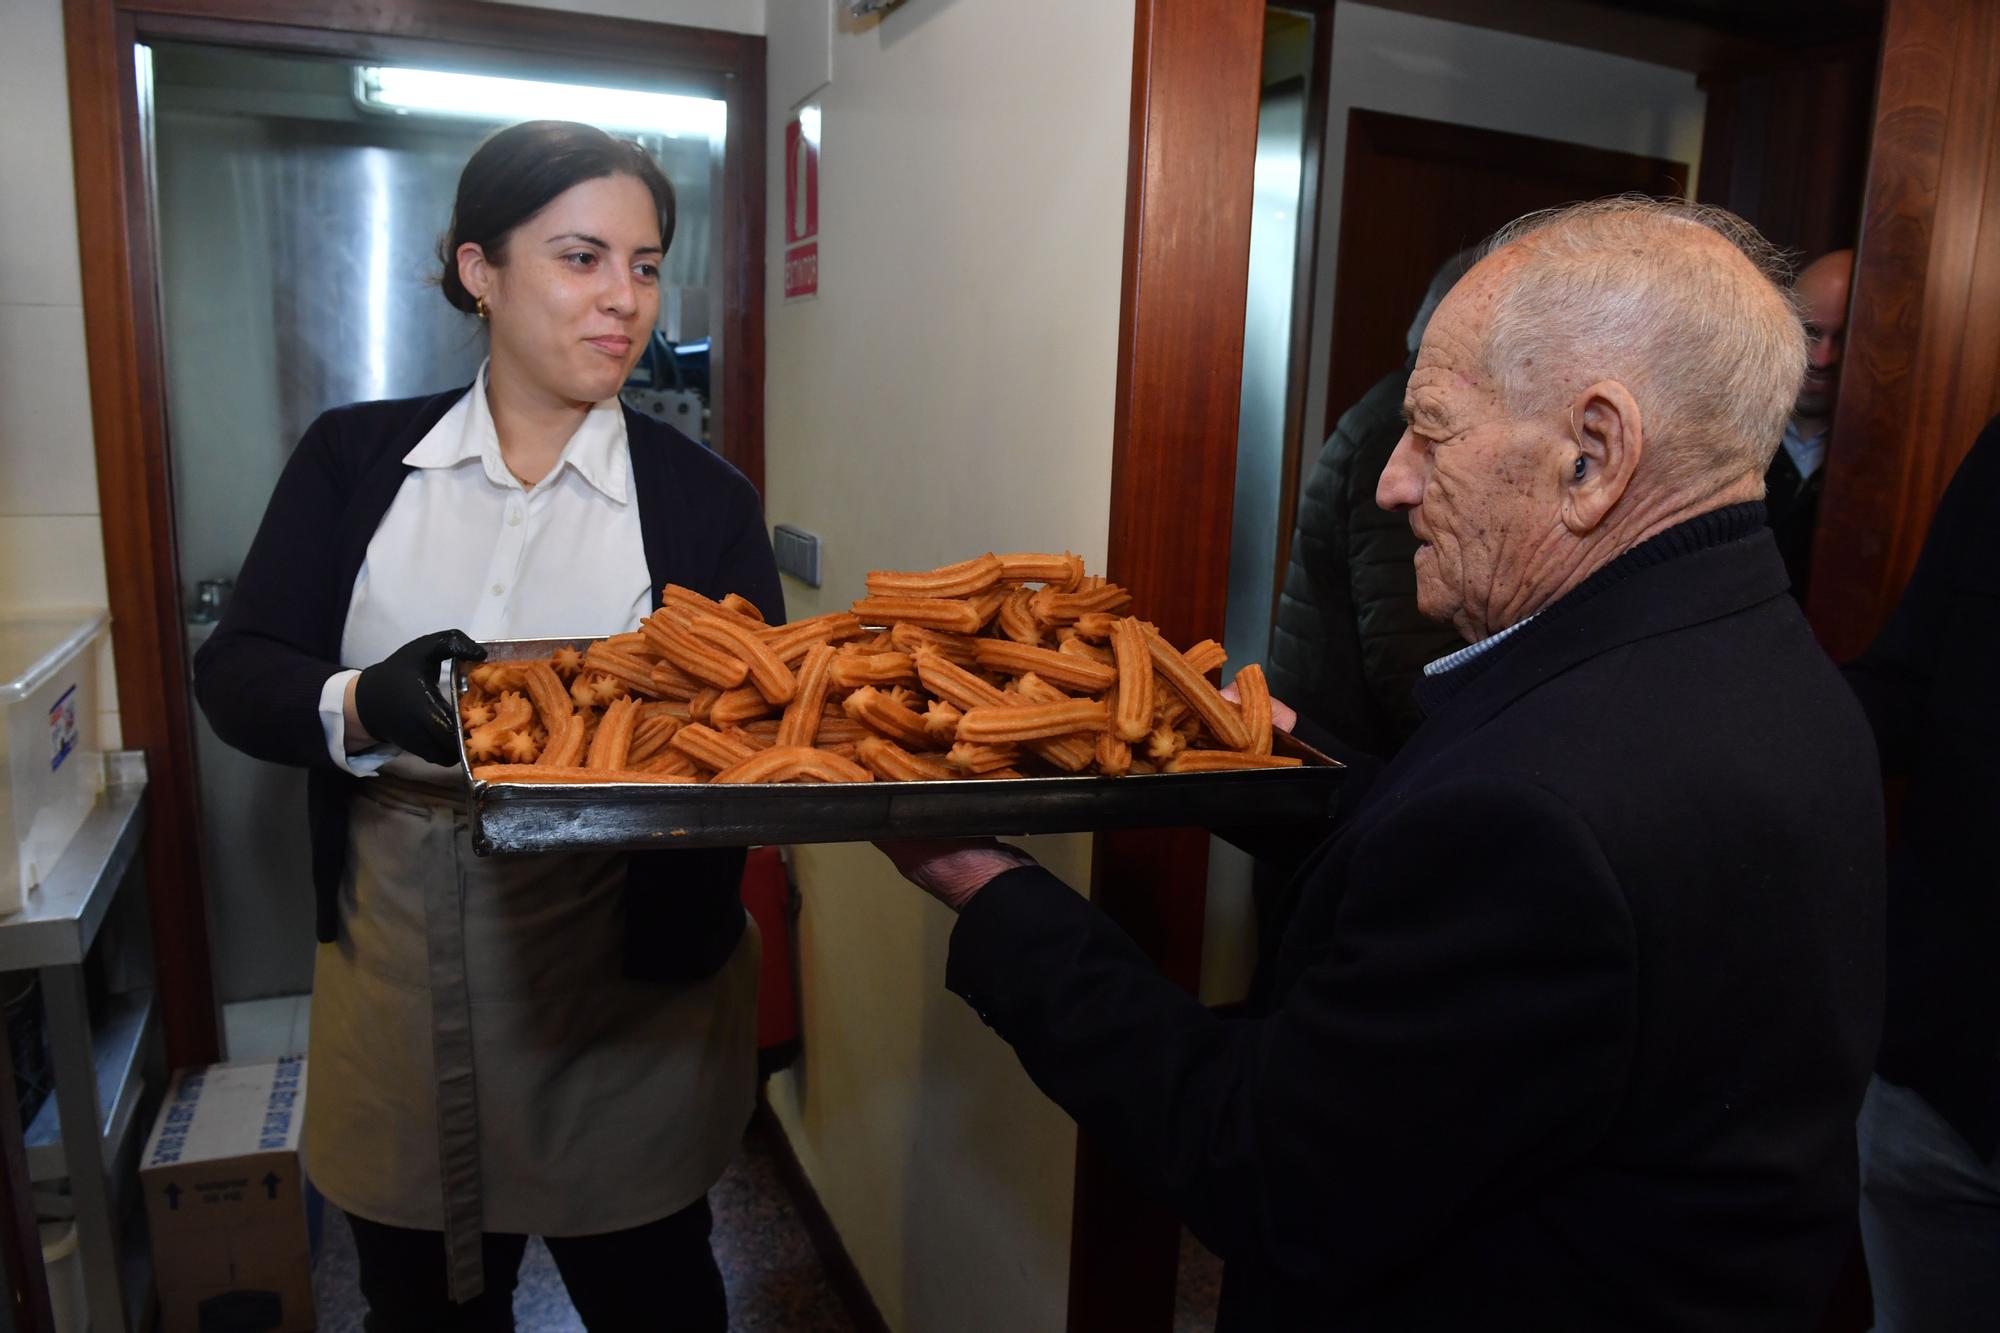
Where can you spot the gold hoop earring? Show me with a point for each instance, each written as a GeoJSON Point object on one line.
{"type": "Point", "coordinates": [479, 307]}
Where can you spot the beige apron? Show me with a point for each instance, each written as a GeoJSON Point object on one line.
{"type": "Point", "coordinates": [481, 1063]}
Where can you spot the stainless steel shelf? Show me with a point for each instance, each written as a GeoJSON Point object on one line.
{"type": "Point", "coordinates": [118, 1042]}
{"type": "Point", "coordinates": [60, 920]}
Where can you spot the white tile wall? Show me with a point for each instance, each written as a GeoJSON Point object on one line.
{"type": "Point", "coordinates": [38, 253]}
{"type": "Point", "coordinates": [51, 541]}
{"type": "Point", "coordinates": [47, 465]}
{"type": "Point", "coordinates": [48, 562]}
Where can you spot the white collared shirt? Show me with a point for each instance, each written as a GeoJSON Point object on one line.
{"type": "Point", "coordinates": [1454, 660]}
{"type": "Point", "coordinates": [465, 545]}
{"type": "Point", "coordinates": [1806, 452]}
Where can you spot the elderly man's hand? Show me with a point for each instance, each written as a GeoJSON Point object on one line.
{"type": "Point", "coordinates": [1284, 718]}
{"type": "Point", "coordinates": [953, 871]}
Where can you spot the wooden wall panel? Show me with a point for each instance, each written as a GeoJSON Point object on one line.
{"type": "Point", "coordinates": [1196, 74]}
{"type": "Point", "coordinates": [1922, 372]}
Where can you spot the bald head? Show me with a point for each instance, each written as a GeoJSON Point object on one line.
{"type": "Point", "coordinates": [1821, 290]}
{"type": "Point", "coordinates": [1682, 304]}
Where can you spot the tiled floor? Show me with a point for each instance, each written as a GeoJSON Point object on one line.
{"type": "Point", "coordinates": [775, 1281]}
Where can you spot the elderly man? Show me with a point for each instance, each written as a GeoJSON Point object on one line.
{"type": "Point", "coordinates": [1574, 1009]}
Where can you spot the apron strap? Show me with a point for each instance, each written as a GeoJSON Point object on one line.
{"type": "Point", "coordinates": [457, 1090]}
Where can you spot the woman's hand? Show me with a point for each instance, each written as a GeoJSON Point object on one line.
{"type": "Point", "coordinates": [952, 870]}
{"type": "Point", "coordinates": [397, 701]}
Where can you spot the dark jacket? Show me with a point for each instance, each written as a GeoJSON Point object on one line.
{"type": "Point", "coordinates": [1573, 1011]}
{"type": "Point", "coordinates": [1349, 642]}
{"type": "Point", "coordinates": [259, 676]}
{"type": "Point", "coordinates": [1791, 503]}
{"type": "Point", "coordinates": [1929, 685]}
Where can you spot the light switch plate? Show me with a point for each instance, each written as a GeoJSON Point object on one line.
{"type": "Point", "coordinates": [798, 553]}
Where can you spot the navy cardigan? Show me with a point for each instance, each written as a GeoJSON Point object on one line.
{"type": "Point", "coordinates": [259, 676]}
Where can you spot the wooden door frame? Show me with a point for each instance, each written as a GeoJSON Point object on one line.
{"type": "Point", "coordinates": [1917, 378]}
{"type": "Point", "coordinates": [122, 326]}
{"type": "Point", "coordinates": [1196, 83]}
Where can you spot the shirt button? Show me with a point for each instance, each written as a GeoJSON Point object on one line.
{"type": "Point", "coordinates": [499, 588]}
{"type": "Point", "coordinates": [513, 517]}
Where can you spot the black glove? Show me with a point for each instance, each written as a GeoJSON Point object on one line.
{"type": "Point", "coordinates": [398, 700]}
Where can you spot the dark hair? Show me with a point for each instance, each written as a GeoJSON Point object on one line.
{"type": "Point", "coordinates": [516, 172]}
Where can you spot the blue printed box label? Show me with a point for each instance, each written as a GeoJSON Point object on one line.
{"type": "Point", "coordinates": [62, 729]}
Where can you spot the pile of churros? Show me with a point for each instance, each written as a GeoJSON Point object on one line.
{"type": "Point", "coordinates": [1000, 667]}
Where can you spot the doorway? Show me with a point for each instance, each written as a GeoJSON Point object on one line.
{"type": "Point", "coordinates": [1394, 234]}
{"type": "Point", "coordinates": [299, 203]}
{"type": "Point", "coordinates": [128, 324]}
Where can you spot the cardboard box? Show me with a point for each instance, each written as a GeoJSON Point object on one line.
{"type": "Point", "coordinates": [225, 1194]}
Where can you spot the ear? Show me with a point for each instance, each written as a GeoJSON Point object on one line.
{"type": "Point", "coordinates": [474, 269]}
{"type": "Point", "coordinates": [1610, 438]}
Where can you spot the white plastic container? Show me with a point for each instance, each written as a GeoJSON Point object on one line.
{"type": "Point", "coordinates": [52, 768]}
{"type": "Point", "coordinates": [65, 1269]}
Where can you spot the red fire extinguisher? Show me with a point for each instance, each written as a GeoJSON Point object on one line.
{"type": "Point", "coordinates": [773, 904]}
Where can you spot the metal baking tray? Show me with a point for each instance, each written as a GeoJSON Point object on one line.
{"type": "Point", "coordinates": [550, 817]}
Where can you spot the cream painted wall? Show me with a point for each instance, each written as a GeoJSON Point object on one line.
{"type": "Point", "coordinates": [949, 392]}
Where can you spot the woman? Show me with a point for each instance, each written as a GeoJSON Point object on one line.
{"type": "Point", "coordinates": [559, 1046]}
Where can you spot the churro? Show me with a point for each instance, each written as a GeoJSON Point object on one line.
{"type": "Point", "coordinates": [1218, 761]}
{"type": "Point", "coordinates": [742, 606]}
{"type": "Point", "coordinates": [1132, 717]}
{"type": "Point", "coordinates": [1062, 572]}
{"type": "Point", "coordinates": [565, 745]}
{"type": "Point", "coordinates": [773, 679]}
{"type": "Point", "coordinates": [967, 578]}
{"type": "Point", "coordinates": [705, 662]}
{"type": "Point", "coordinates": [1059, 669]}
{"type": "Point", "coordinates": [890, 761]}
{"type": "Point", "coordinates": [873, 709]}
{"type": "Point", "coordinates": [743, 704]}
{"type": "Point", "coordinates": [1222, 717]}
{"type": "Point", "coordinates": [853, 670]}
{"type": "Point", "coordinates": [802, 714]}
{"type": "Point", "coordinates": [1253, 696]}
{"type": "Point", "coordinates": [981, 759]}
{"type": "Point", "coordinates": [1030, 722]}
{"type": "Point", "coordinates": [568, 773]}
{"type": "Point", "coordinates": [943, 613]}
{"type": "Point", "coordinates": [957, 648]}
{"type": "Point", "coordinates": [791, 763]}
{"type": "Point", "coordinates": [611, 746]}
{"type": "Point", "coordinates": [709, 747]}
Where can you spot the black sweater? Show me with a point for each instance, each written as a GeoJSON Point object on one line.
{"type": "Point", "coordinates": [259, 676]}
{"type": "Point", "coordinates": [1928, 683]}
{"type": "Point", "coordinates": [1572, 1013]}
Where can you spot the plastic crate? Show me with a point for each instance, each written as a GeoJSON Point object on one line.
{"type": "Point", "coordinates": [52, 768]}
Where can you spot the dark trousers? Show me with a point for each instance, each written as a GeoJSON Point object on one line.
{"type": "Point", "coordinates": [657, 1278]}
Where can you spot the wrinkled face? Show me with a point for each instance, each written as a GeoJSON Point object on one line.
{"type": "Point", "coordinates": [573, 302]}
{"type": "Point", "coordinates": [1483, 490]}
{"type": "Point", "coordinates": [1822, 293]}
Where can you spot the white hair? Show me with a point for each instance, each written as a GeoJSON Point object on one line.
{"type": "Point", "coordinates": [1707, 339]}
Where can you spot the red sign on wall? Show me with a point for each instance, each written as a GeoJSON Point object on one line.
{"type": "Point", "coordinates": [802, 205]}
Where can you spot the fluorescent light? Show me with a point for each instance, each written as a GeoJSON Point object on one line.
{"type": "Point", "coordinates": [485, 97]}
{"type": "Point", "coordinates": [809, 124]}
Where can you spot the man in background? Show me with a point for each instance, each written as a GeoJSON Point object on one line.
{"type": "Point", "coordinates": [1930, 1127]}
{"type": "Point", "coordinates": [1349, 641]}
{"type": "Point", "coordinates": [1792, 486]}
